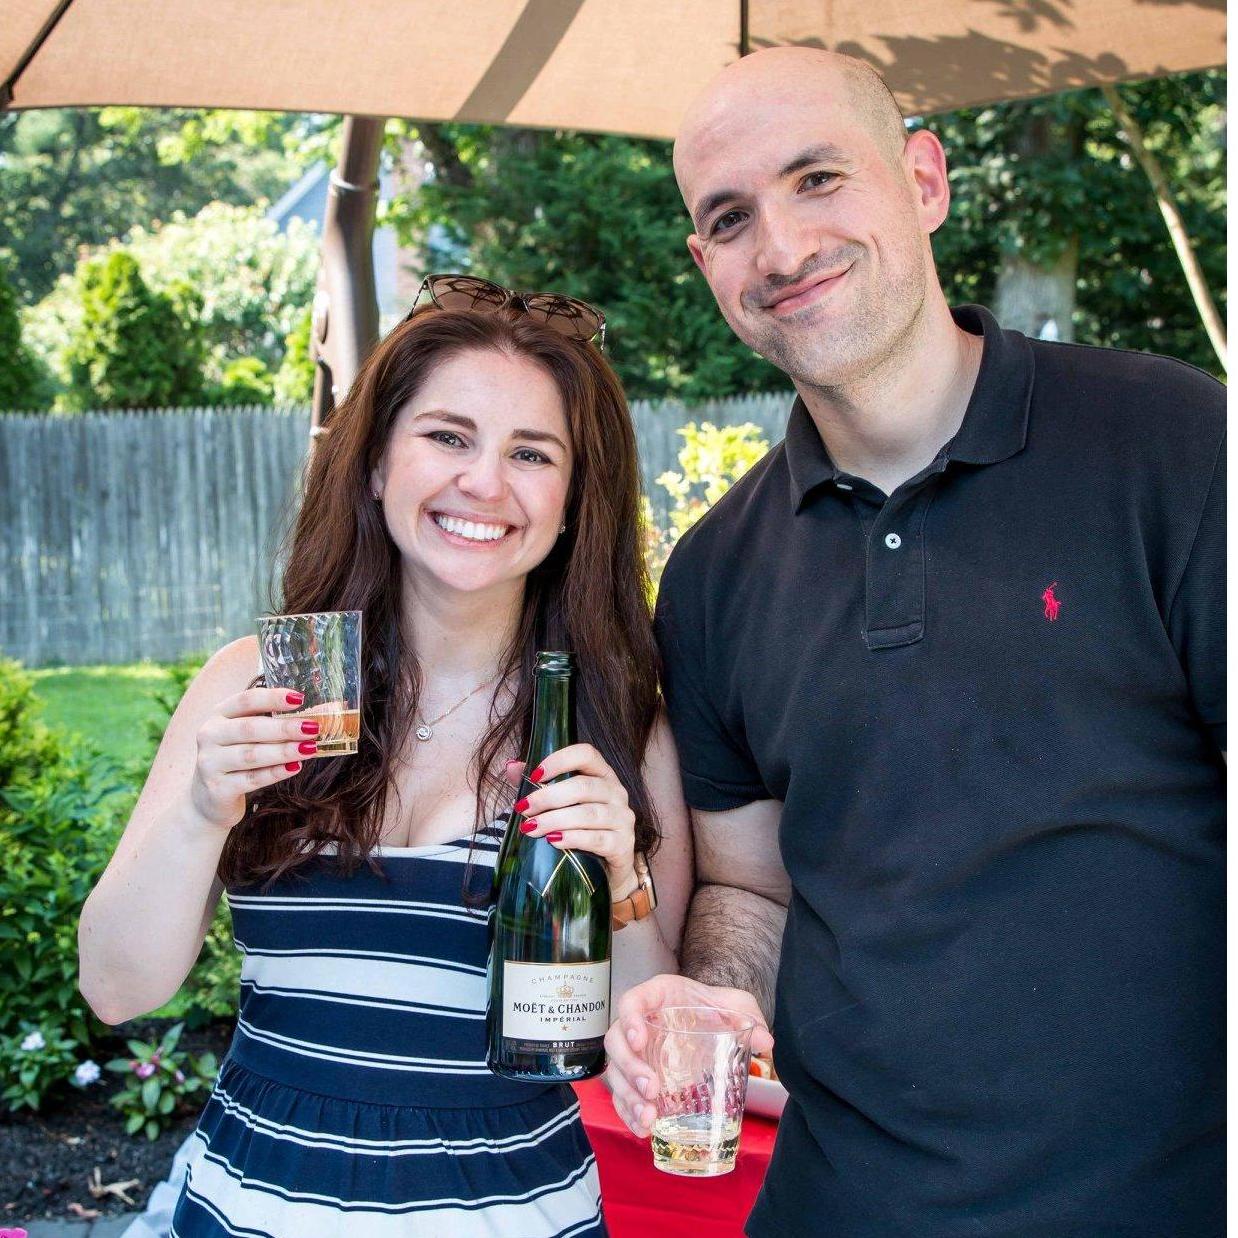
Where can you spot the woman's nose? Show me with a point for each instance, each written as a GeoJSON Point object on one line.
{"type": "Point", "coordinates": [483, 477]}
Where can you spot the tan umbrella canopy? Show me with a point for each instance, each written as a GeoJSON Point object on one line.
{"type": "Point", "coordinates": [621, 66]}
{"type": "Point", "coordinates": [624, 66]}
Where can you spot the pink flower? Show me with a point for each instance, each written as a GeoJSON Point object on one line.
{"type": "Point", "coordinates": [180, 1076]}
{"type": "Point", "coordinates": [145, 1070]}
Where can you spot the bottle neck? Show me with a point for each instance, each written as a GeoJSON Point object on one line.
{"type": "Point", "coordinates": [552, 717]}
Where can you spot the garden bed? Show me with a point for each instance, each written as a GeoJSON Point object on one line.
{"type": "Point", "coordinates": [48, 1159]}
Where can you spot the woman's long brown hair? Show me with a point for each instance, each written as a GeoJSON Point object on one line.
{"type": "Point", "coordinates": [590, 595]}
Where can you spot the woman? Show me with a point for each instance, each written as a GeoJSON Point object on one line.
{"type": "Point", "coordinates": [476, 497]}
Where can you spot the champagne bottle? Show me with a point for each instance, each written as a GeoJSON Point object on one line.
{"type": "Point", "coordinates": [549, 1002]}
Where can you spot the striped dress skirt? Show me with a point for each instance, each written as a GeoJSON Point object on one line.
{"type": "Point", "coordinates": [355, 1099]}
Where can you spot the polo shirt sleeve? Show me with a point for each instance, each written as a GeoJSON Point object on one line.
{"type": "Point", "coordinates": [718, 770]}
{"type": "Point", "coordinates": [1197, 613]}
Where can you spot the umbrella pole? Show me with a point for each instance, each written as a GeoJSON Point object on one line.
{"type": "Point", "coordinates": [345, 321]}
{"type": "Point", "coordinates": [1173, 221]}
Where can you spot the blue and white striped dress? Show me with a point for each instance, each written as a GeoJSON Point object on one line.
{"type": "Point", "coordinates": [354, 1099]}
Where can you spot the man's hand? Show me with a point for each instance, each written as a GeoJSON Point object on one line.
{"type": "Point", "coordinates": [632, 1081]}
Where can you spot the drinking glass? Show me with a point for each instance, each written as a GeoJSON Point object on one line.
{"type": "Point", "coordinates": [700, 1057]}
{"type": "Point", "coordinates": [319, 656]}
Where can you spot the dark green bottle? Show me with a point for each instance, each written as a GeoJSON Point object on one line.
{"type": "Point", "coordinates": [550, 954]}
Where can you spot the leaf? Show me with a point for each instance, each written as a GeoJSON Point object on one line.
{"type": "Point", "coordinates": [150, 1092]}
{"type": "Point", "coordinates": [152, 1130]}
{"type": "Point", "coordinates": [139, 1050]}
{"type": "Point", "coordinates": [167, 1102]}
{"type": "Point", "coordinates": [134, 1124]}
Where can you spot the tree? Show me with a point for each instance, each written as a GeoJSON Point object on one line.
{"type": "Point", "coordinates": [596, 217]}
{"type": "Point", "coordinates": [294, 383]}
{"type": "Point", "coordinates": [251, 284]}
{"type": "Point", "coordinates": [1050, 183]}
{"type": "Point", "coordinates": [131, 349]}
{"type": "Point", "coordinates": [21, 381]}
{"type": "Point", "coordinates": [77, 177]}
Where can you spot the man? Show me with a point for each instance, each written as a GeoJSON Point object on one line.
{"type": "Point", "coordinates": [946, 675]}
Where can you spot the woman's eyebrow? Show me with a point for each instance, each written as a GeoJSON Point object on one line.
{"type": "Point", "coordinates": [467, 423]}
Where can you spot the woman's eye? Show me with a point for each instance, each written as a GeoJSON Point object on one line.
{"type": "Point", "coordinates": [447, 437]}
{"type": "Point", "coordinates": [526, 455]}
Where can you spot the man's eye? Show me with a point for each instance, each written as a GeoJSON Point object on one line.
{"type": "Point", "coordinates": [447, 437]}
{"type": "Point", "coordinates": [814, 180]}
{"type": "Point", "coordinates": [725, 223]}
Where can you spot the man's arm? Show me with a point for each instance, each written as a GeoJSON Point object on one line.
{"type": "Point", "coordinates": [733, 937]}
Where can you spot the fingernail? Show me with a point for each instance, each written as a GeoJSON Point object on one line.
{"type": "Point", "coordinates": [309, 728]}
{"type": "Point", "coordinates": [527, 827]}
{"type": "Point", "coordinates": [522, 805]}
{"type": "Point", "coordinates": [537, 775]}
{"type": "Point", "coordinates": [555, 836]}
{"type": "Point", "coordinates": [293, 766]}
{"type": "Point", "coordinates": [295, 698]}
{"type": "Point", "coordinates": [642, 1086]}
{"type": "Point", "coordinates": [309, 747]}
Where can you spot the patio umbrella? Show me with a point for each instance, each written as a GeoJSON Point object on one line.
{"type": "Point", "coordinates": [624, 66]}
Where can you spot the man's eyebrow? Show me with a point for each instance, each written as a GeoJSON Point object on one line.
{"type": "Point", "coordinates": [825, 152]}
{"type": "Point", "coordinates": [467, 423]}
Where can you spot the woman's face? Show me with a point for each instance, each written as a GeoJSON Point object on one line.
{"type": "Point", "coordinates": [474, 481]}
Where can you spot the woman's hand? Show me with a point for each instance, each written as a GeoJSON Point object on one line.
{"type": "Point", "coordinates": [586, 812]}
{"type": "Point", "coordinates": [242, 748]}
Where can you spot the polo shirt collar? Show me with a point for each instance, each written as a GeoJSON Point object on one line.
{"type": "Point", "coordinates": [994, 424]}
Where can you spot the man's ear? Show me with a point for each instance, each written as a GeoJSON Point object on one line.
{"type": "Point", "coordinates": [925, 162]}
{"type": "Point", "coordinates": [698, 255]}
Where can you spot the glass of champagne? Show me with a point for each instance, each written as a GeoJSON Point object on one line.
{"type": "Point", "coordinates": [700, 1056]}
{"type": "Point", "coordinates": [319, 656]}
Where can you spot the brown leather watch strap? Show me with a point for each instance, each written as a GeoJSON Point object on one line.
{"type": "Point", "coordinates": [634, 907]}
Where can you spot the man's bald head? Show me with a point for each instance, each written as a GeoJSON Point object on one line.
{"type": "Point", "coordinates": [804, 74]}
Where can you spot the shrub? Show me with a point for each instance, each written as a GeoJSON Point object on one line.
{"type": "Point", "coordinates": [711, 460]}
{"type": "Point", "coordinates": [245, 381]}
{"type": "Point", "coordinates": [157, 1079]}
{"type": "Point", "coordinates": [131, 348]}
{"type": "Point", "coordinates": [34, 1062]}
{"type": "Point", "coordinates": [23, 383]}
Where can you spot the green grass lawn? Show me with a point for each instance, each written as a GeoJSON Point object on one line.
{"type": "Point", "coordinates": [109, 706]}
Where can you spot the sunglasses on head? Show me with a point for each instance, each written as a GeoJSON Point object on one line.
{"type": "Point", "coordinates": [575, 319]}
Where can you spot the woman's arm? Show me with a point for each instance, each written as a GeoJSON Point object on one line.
{"type": "Point", "coordinates": [143, 924]}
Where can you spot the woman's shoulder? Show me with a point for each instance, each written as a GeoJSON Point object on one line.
{"type": "Point", "coordinates": [226, 672]}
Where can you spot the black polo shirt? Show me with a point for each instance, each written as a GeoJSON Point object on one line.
{"type": "Point", "coordinates": [992, 705]}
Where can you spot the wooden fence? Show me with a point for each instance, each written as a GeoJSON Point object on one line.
{"type": "Point", "coordinates": [137, 535]}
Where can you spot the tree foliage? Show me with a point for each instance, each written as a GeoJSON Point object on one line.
{"type": "Point", "coordinates": [131, 348]}
{"type": "Point", "coordinates": [596, 217]}
{"type": "Point", "coordinates": [22, 384]}
{"type": "Point", "coordinates": [1029, 176]}
{"type": "Point", "coordinates": [74, 177]}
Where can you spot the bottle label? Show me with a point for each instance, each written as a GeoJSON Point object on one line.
{"type": "Point", "coordinates": [556, 1001]}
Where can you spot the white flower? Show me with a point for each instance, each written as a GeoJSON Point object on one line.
{"type": "Point", "coordinates": [32, 1042]}
{"type": "Point", "coordinates": [87, 1073]}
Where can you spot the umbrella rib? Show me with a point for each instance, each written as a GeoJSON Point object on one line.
{"type": "Point", "coordinates": [6, 88]}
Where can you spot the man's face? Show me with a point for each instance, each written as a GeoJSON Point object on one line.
{"type": "Point", "coordinates": [812, 239]}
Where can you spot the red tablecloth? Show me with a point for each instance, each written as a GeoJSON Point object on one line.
{"type": "Point", "coordinates": [642, 1202]}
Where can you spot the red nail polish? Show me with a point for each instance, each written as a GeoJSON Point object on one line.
{"type": "Point", "coordinates": [522, 805]}
{"type": "Point", "coordinates": [527, 827]}
{"type": "Point", "coordinates": [293, 766]}
{"type": "Point", "coordinates": [309, 747]}
{"type": "Point", "coordinates": [537, 775]}
{"type": "Point", "coordinates": [555, 836]}
{"type": "Point", "coordinates": [309, 728]}
{"type": "Point", "coordinates": [295, 698]}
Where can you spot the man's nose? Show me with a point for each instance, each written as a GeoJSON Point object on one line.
{"type": "Point", "coordinates": [783, 245]}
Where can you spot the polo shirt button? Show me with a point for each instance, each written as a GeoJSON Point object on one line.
{"type": "Point", "coordinates": [893, 541]}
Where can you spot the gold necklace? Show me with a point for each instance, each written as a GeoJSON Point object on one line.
{"type": "Point", "coordinates": [425, 731]}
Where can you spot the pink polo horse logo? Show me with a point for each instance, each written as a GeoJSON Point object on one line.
{"type": "Point", "coordinates": [1053, 607]}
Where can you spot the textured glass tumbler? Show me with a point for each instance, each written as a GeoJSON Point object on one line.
{"type": "Point", "coordinates": [320, 657]}
{"type": "Point", "coordinates": [700, 1056]}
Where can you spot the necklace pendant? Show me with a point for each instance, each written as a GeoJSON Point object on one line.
{"type": "Point", "coordinates": [423, 732]}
